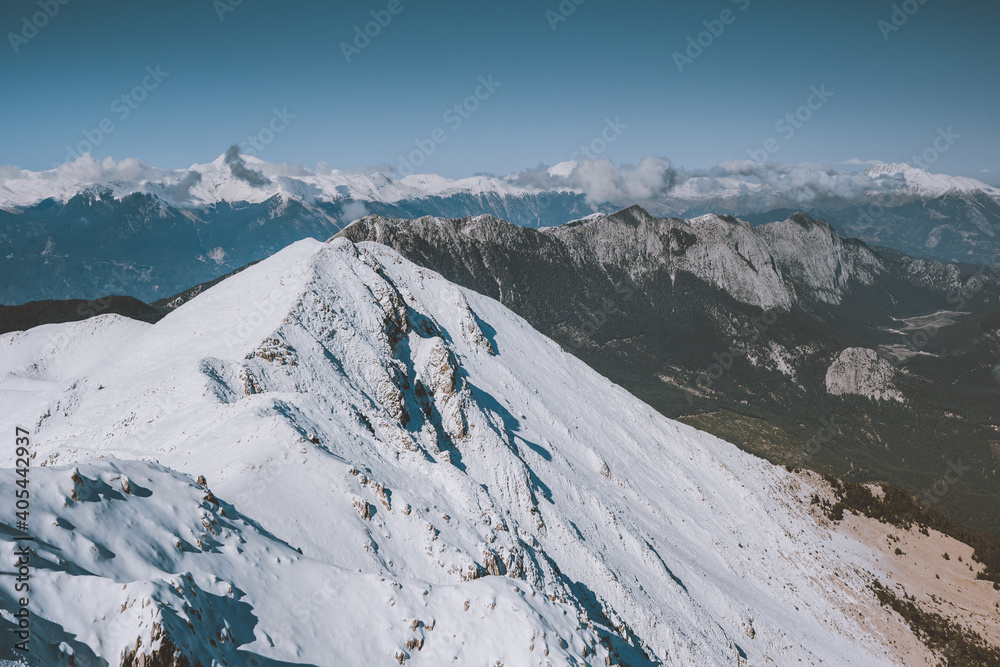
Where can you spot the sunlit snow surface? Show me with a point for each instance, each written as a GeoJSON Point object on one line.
{"type": "Point", "coordinates": [461, 490]}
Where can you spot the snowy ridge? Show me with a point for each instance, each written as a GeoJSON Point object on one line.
{"type": "Point", "coordinates": [415, 475]}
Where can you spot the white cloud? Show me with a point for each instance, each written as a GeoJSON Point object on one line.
{"type": "Point", "coordinates": [602, 180]}
{"type": "Point", "coordinates": [353, 211]}
{"type": "Point", "coordinates": [653, 180]}
{"type": "Point", "coordinates": [86, 170]}
{"type": "Point", "coordinates": [24, 187]}
{"type": "Point", "coordinates": [796, 184]}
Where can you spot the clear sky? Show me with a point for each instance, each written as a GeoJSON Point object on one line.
{"type": "Point", "coordinates": [892, 89]}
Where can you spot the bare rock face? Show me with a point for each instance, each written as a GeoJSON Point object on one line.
{"type": "Point", "coordinates": [820, 263]}
{"type": "Point", "coordinates": [724, 252]}
{"type": "Point", "coordinates": [860, 371]}
{"type": "Point", "coordinates": [164, 654]}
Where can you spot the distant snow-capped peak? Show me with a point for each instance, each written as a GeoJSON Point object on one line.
{"type": "Point", "coordinates": [231, 178]}
{"type": "Point", "coordinates": [923, 183]}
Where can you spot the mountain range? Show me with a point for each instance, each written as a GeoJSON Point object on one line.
{"type": "Point", "coordinates": [337, 456]}
{"type": "Point", "coordinates": [307, 417]}
{"type": "Point", "coordinates": [797, 345]}
{"type": "Point", "coordinates": [87, 229]}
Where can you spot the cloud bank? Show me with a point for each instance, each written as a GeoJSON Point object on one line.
{"type": "Point", "coordinates": [655, 179]}
{"type": "Point", "coordinates": [602, 181]}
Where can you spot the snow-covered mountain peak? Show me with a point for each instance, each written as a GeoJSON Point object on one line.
{"type": "Point", "coordinates": [920, 182]}
{"type": "Point", "coordinates": [415, 475]}
{"type": "Point", "coordinates": [562, 169]}
{"type": "Point", "coordinates": [901, 168]}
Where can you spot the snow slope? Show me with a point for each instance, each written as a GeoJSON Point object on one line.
{"type": "Point", "coordinates": [400, 470]}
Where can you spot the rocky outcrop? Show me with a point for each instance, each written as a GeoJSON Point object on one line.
{"type": "Point", "coordinates": [163, 654]}
{"type": "Point", "coordinates": [860, 371]}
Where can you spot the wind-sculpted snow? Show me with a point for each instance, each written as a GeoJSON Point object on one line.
{"type": "Point", "coordinates": [133, 558]}
{"type": "Point", "coordinates": [402, 470]}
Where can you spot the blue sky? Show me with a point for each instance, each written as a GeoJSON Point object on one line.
{"type": "Point", "coordinates": [224, 79]}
